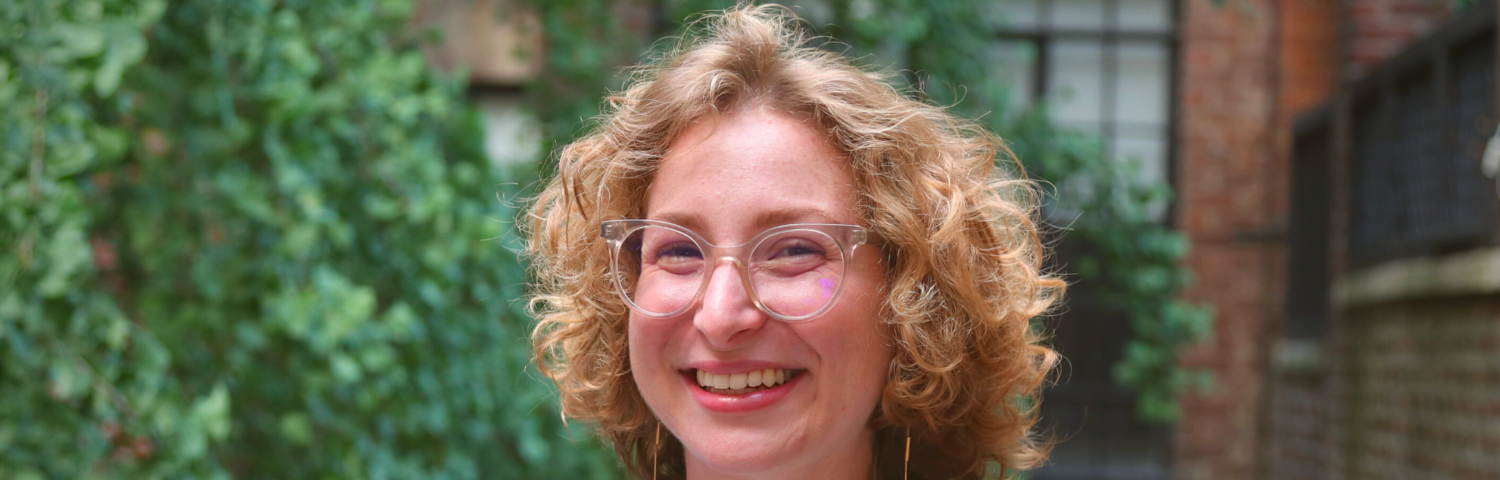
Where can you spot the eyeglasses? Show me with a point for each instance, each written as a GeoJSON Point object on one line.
{"type": "Point", "coordinates": [792, 272]}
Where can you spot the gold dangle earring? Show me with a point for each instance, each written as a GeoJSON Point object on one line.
{"type": "Point", "coordinates": [656, 451]}
{"type": "Point", "coordinates": [905, 463]}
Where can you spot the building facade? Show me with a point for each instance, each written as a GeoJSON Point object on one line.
{"type": "Point", "coordinates": [1330, 181]}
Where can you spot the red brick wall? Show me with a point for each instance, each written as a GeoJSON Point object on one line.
{"type": "Point", "coordinates": [1425, 396]}
{"type": "Point", "coordinates": [1309, 54]}
{"type": "Point", "coordinates": [1299, 449]}
{"type": "Point", "coordinates": [1379, 28]}
{"type": "Point", "coordinates": [1227, 152]}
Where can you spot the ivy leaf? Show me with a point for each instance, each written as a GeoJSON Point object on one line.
{"type": "Point", "coordinates": [212, 412]}
{"type": "Point", "coordinates": [75, 41]}
{"type": "Point", "coordinates": [67, 382]}
{"type": "Point", "coordinates": [126, 47]}
{"type": "Point", "coordinates": [69, 254]}
{"type": "Point", "coordinates": [296, 428]}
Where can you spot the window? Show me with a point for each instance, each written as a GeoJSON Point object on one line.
{"type": "Point", "coordinates": [1104, 66]}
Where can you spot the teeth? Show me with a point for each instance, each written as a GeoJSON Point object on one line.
{"type": "Point", "coordinates": [738, 381]}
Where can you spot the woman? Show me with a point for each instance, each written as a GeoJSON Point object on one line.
{"type": "Point", "coordinates": [767, 263]}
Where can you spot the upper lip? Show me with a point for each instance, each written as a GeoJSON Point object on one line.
{"type": "Point", "coordinates": [738, 366]}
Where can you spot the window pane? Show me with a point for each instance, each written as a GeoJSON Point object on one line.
{"type": "Point", "coordinates": [1078, 14]}
{"type": "Point", "coordinates": [1075, 79]}
{"type": "Point", "coordinates": [510, 134]}
{"type": "Point", "coordinates": [1148, 150]}
{"type": "Point", "coordinates": [1148, 153]}
{"type": "Point", "coordinates": [1012, 14]}
{"type": "Point", "coordinates": [1013, 63]}
{"type": "Point", "coordinates": [1152, 15]}
{"type": "Point", "coordinates": [1141, 95]}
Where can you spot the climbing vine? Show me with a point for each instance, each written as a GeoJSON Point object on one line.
{"type": "Point", "coordinates": [256, 239]}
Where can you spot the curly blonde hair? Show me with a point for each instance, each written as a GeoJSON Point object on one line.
{"type": "Point", "coordinates": [963, 259]}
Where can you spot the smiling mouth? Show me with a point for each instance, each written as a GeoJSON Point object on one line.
{"type": "Point", "coordinates": [744, 383]}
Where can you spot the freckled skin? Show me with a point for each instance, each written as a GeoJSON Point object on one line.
{"type": "Point", "coordinates": [722, 175]}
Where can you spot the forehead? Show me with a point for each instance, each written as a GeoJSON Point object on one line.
{"type": "Point", "coordinates": [752, 169]}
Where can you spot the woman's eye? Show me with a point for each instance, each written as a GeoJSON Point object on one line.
{"type": "Point", "coordinates": [678, 252]}
{"type": "Point", "coordinates": [795, 250]}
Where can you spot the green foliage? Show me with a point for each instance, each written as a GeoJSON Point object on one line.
{"type": "Point", "coordinates": [1122, 251]}
{"type": "Point", "coordinates": [256, 239]}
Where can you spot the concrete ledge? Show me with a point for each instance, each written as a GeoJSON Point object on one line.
{"type": "Point", "coordinates": [1475, 272]}
{"type": "Point", "coordinates": [1297, 357]}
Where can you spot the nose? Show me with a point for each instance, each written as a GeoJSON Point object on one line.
{"type": "Point", "coordinates": [727, 313]}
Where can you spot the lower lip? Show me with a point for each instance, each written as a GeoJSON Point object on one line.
{"type": "Point", "coordinates": [741, 403]}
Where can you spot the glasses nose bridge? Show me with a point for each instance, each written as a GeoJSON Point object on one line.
{"type": "Point", "coordinates": [739, 256]}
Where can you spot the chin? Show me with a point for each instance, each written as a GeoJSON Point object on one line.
{"type": "Point", "coordinates": [749, 455]}
{"type": "Point", "coordinates": [739, 460]}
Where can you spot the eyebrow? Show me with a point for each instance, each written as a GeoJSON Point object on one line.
{"type": "Point", "coordinates": [762, 220]}
{"type": "Point", "coordinates": [771, 218]}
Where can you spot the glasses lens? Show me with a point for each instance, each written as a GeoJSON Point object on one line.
{"type": "Point", "coordinates": [797, 272]}
{"type": "Point", "coordinates": [659, 269]}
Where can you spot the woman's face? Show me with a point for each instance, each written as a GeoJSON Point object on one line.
{"type": "Point", "coordinates": [728, 181]}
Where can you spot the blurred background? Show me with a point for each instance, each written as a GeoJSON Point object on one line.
{"type": "Point", "coordinates": [277, 239]}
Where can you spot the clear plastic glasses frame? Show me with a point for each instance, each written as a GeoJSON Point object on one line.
{"type": "Point", "coordinates": [845, 237]}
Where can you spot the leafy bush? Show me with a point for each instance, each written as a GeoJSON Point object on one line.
{"type": "Point", "coordinates": [257, 239]}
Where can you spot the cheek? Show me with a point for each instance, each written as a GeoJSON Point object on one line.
{"type": "Point", "coordinates": [854, 344]}
{"type": "Point", "coordinates": [877, 349]}
{"type": "Point", "coordinates": [647, 340]}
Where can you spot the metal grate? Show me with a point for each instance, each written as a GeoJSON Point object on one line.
{"type": "Point", "coordinates": [1375, 201]}
{"type": "Point", "coordinates": [1473, 107]}
{"type": "Point", "coordinates": [1417, 188]}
